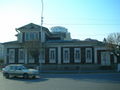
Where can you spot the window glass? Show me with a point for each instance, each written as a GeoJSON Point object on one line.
{"type": "Point", "coordinates": [21, 53]}
{"type": "Point", "coordinates": [88, 55]}
{"type": "Point", "coordinates": [12, 67]}
{"type": "Point", "coordinates": [52, 55]}
{"type": "Point", "coordinates": [32, 36]}
{"type": "Point", "coordinates": [66, 55]}
{"type": "Point", "coordinates": [11, 55]}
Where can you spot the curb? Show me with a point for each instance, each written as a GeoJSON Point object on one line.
{"type": "Point", "coordinates": [74, 72]}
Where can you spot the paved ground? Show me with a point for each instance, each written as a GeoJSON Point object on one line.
{"type": "Point", "coordinates": [98, 81]}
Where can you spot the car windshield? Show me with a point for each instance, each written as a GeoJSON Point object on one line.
{"type": "Point", "coordinates": [17, 67]}
{"type": "Point", "coordinates": [21, 67]}
{"type": "Point", "coordinates": [24, 67]}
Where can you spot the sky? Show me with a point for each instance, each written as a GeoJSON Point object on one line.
{"type": "Point", "coordinates": [94, 19]}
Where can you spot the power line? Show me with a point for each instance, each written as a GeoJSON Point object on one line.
{"type": "Point", "coordinates": [85, 24]}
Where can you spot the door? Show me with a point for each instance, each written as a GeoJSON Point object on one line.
{"type": "Point", "coordinates": [105, 58]}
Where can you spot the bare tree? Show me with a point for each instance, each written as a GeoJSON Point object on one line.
{"type": "Point", "coordinates": [113, 44]}
{"type": "Point", "coordinates": [33, 48]}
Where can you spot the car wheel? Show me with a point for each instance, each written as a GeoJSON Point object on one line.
{"type": "Point", "coordinates": [25, 75]}
{"type": "Point", "coordinates": [7, 75]}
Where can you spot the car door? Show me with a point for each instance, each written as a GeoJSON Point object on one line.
{"type": "Point", "coordinates": [19, 70]}
{"type": "Point", "coordinates": [11, 70]}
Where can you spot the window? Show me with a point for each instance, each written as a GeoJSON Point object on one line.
{"type": "Point", "coordinates": [42, 56]}
{"type": "Point", "coordinates": [11, 56]}
{"type": "Point", "coordinates": [66, 55]}
{"type": "Point", "coordinates": [88, 55]}
{"type": "Point", "coordinates": [30, 59]}
{"type": "Point", "coordinates": [21, 56]}
{"type": "Point", "coordinates": [31, 36]}
{"type": "Point", "coordinates": [27, 36]}
{"type": "Point", "coordinates": [77, 55]}
{"type": "Point", "coordinates": [52, 55]}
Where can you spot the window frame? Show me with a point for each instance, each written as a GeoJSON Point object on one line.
{"type": "Point", "coordinates": [52, 55]}
{"type": "Point", "coordinates": [66, 55]}
{"type": "Point", "coordinates": [31, 36]}
{"type": "Point", "coordinates": [77, 55]}
{"type": "Point", "coordinates": [21, 60]}
{"type": "Point", "coordinates": [88, 54]}
{"type": "Point", "coordinates": [12, 56]}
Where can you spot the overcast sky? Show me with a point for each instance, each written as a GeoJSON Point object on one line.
{"type": "Point", "coordinates": [83, 18]}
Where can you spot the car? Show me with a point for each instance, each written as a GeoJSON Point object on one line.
{"type": "Point", "coordinates": [15, 70]}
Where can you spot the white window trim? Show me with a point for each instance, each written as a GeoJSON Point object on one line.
{"type": "Point", "coordinates": [64, 59]}
{"type": "Point", "coordinates": [76, 60]}
{"type": "Point", "coordinates": [12, 57]}
{"type": "Point", "coordinates": [21, 60]}
{"type": "Point", "coordinates": [87, 59]}
{"type": "Point", "coordinates": [52, 60]}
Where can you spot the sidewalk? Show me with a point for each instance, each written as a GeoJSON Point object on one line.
{"type": "Point", "coordinates": [77, 72]}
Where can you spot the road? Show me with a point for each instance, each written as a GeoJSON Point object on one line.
{"type": "Point", "coordinates": [98, 81]}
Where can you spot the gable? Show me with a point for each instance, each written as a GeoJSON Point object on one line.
{"type": "Point", "coordinates": [31, 26]}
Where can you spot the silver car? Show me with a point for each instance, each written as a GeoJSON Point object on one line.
{"type": "Point", "coordinates": [15, 70]}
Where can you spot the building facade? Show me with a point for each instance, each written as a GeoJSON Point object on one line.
{"type": "Point", "coordinates": [1, 51]}
{"type": "Point", "coordinates": [59, 50]}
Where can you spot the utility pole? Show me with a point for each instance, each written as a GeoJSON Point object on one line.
{"type": "Point", "coordinates": [42, 5]}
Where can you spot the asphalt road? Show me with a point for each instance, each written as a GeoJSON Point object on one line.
{"type": "Point", "coordinates": [98, 81]}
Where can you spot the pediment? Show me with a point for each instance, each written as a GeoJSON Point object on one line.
{"type": "Point", "coordinates": [29, 26]}
{"type": "Point", "coordinates": [32, 26]}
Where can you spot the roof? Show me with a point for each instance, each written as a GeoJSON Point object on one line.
{"type": "Point", "coordinates": [75, 41]}
{"type": "Point", "coordinates": [61, 41]}
{"type": "Point", "coordinates": [11, 42]}
{"type": "Point", "coordinates": [31, 26]}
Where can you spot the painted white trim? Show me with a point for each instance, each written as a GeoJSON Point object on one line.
{"type": "Point", "coordinates": [66, 56]}
{"type": "Point", "coordinates": [11, 55]}
{"type": "Point", "coordinates": [76, 59]}
{"type": "Point", "coordinates": [59, 55]}
{"type": "Point", "coordinates": [52, 55]}
{"type": "Point", "coordinates": [95, 53]}
{"type": "Point", "coordinates": [88, 59]}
